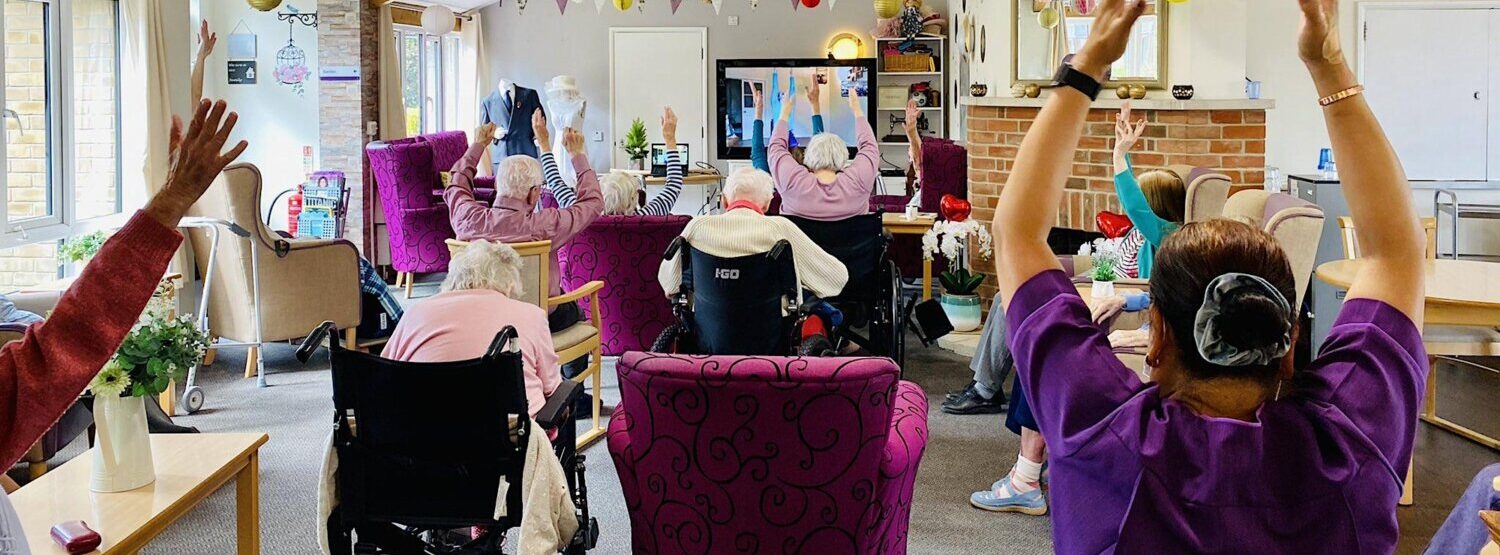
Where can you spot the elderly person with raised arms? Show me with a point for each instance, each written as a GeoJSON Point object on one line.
{"type": "Point", "coordinates": [745, 229]}
{"type": "Point", "coordinates": [1231, 448]}
{"type": "Point", "coordinates": [514, 217]}
{"type": "Point", "coordinates": [826, 185]}
{"type": "Point", "coordinates": [621, 189]}
{"type": "Point", "coordinates": [476, 301]}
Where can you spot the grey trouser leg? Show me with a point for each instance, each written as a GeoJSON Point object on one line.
{"type": "Point", "coordinates": [992, 359]}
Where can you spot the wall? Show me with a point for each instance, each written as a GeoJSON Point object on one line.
{"type": "Point", "coordinates": [532, 47]}
{"type": "Point", "coordinates": [275, 118]}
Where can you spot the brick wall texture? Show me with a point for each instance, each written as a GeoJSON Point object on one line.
{"type": "Point", "coordinates": [341, 104]}
{"type": "Point", "coordinates": [1233, 141]}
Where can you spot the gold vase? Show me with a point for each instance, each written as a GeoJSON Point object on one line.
{"type": "Point", "coordinates": [1137, 91]}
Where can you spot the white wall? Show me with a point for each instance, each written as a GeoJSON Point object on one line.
{"type": "Point", "coordinates": [533, 47]}
{"type": "Point", "coordinates": [277, 121]}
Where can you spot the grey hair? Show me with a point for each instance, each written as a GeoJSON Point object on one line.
{"type": "Point", "coordinates": [485, 265]}
{"type": "Point", "coordinates": [518, 174]}
{"type": "Point", "coordinates": [749, 184]}
{"type": "Point", "coordinates": [620, 191]}
{"type": "Point", "coordinates": [826, 151]}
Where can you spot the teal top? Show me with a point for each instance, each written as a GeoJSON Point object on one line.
{"type": "Point", "coordinates": [1153, 227]}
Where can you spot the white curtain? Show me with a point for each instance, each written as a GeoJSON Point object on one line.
{"type": "Point", "coordinates": [145, 80]}
{"type": "Point", "coordinates": [473, 73]}
{"type": "Point", "coordinates": [392, 109]}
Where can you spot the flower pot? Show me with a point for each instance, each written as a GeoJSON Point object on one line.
{"type": "Point", "coordinates": [962, 310]}
{"type": "Point", "coordinates": [637, 164]}
{"type": "Point", "coordinates": [1102, 289]}
{"type": "Point", "coordinates": [122, 448]}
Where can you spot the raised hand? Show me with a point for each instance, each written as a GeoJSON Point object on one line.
{"type": "Point", "coordinates": [573, 141]}
{"type": "Point", "coordinates": [1113, 20]}
{"type": "Point", "coordinates": [759, 100]}
{"type": "Point", "coordinates": [813, 92]}
{"type": "Point", "coordinates": [856, 102]}
{"type": "Point", "coordinates": [1127, 133]}
{"type": "Point", "coordinates": [484, 133]}
{"type": "Point", "coordinates": [669, 128]}
{"type": "Point", "coordinates": [539, 128]}
{"type": "Point", "coordinates": [912, 115]}
{"type": "Point", "coordinates": [788, 102]}
{"type": "Point", "coordinates": [199, 158]}
{"type": "Point", "coordinates": [206, 40]}
{"type": "Point", "coordinates": [1318, 42]}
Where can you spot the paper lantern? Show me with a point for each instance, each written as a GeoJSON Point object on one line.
{"type": "Point", "coordinates": [1048, 18]}
{"type": "Point", "coordinates": [810, 3]}
{"type": "Point", "coordinates": [437, 20]}
{"type": "Point", "coordinates": [623, 5]}
{"type": "Point", "coordinates": [886, 9]}
{"type": "Point", "coordinates": [265, 5]}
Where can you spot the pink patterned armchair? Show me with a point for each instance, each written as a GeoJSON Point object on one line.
{"type": "Point", "coordinates": [624, 252]}
{"type": "Point", "coordinates": [946, 165]}
{"type": "Point", "coordinates": [762, 454]}
{"type": "Point", "coordinates": [406, 175]}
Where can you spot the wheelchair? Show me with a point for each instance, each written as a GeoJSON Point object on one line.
{"type": "Point", "coordinates": [422, 448]}
{"type": "Point", "coordinates": [873, 300]}
{"type": "Point", "coordinates": [744, 305]}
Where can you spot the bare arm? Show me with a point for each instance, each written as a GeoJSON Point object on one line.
{"type": "Point", "coordinates": [913, 137]}
{"type": "Point", "coordinates": [206, 42]}
{"type": "Point", "coordinates": [1028, 205]}
{"type": "Point", "coordinates": [1390, 236]}
{"type": "Point", "coordinates": [1127, 133]}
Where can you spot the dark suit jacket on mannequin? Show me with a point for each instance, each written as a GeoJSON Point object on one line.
{"type": "Point", "coordinates": [516, 120]}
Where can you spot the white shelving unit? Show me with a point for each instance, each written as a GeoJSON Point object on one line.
{"type": "Point", "coordinates": [937, 116]}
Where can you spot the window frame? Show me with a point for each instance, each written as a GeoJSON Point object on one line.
{"type": "Point", "coordinates": [62, 148]}
{"type": "Point", "coordinates": [431, 110]}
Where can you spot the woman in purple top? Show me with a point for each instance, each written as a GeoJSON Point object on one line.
{"type": "Point", "coordinates": [1229, 449]}
{"type": "Point", "coordinates": [830, 186]}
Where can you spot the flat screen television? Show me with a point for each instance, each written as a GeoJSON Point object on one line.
{"type": "Point", "coordinates": [738, 79]}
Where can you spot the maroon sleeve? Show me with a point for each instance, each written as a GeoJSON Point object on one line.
{"type": "Point", "coordinates": [42, 374]}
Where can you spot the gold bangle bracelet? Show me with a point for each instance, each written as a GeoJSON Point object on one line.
{"type": "Point", "coordinates": [1341, 95]}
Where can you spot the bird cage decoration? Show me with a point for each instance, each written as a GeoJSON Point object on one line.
{"type": "Point", "coordinates": [291, 61]}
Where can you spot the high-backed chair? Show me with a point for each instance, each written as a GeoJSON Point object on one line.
{"type": "Point", "coordinates": [732, 454]}
{"type": "Point", "coordinates": [624, 252]}
{"type": "Point", "coordinates": [945, 172]}
{"type": "Point", "coordinates": [572, 343]}
{"type": "Point", "coordinates": [1295, 223]}
{"type": "Point", "coordinates": [1207, 191]}
{"type": "Point", "coordinates": [265, 287]}
{"type": "Point", "coordinates": [405, 176]}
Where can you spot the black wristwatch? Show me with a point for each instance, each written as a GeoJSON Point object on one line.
{"type": "Point", "coordinates": [1068, 76]}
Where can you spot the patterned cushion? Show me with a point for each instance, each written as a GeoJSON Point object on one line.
{"type": "Point", "coordinates": [766, 454]}
{"type": "Point", "coordinates": [405, 176]}
{"type": "Point", "coordinates": [624, 252]}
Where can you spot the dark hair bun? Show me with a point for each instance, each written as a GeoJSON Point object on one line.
{"type": "Point", "coordinates": [1251, 320]}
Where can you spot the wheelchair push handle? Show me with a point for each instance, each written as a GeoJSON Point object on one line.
{"type": "Point", "coordinates": [502, 343]}
{"type": "Point", "coordinates": [314, 339]}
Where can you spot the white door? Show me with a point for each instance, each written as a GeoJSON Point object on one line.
{"type": "Point", "coordinates": [1430, 87]}
{"type": "Point", "coordinates": [653, 67]}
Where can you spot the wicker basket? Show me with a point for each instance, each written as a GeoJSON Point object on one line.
{"type": "Point", "coordinates": [909, 63]}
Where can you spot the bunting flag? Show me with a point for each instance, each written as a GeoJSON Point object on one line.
{"type": "Point", "coordinates": [795, 4]}
{"type": "Point", "coordinates": [831, 3]}
{"type": "Point", "coordinates": [675, 4]}
{"type": "Point", "coordinates": [599, 5]}
{"type": "Point", "coordinates": [562, 7]}
{"type": "Point", "coordinates": [717, 5]}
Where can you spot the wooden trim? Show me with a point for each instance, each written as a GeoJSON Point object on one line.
{"type": "Point", "coordinates": [402, 14]}
{"type": "Point", "coordinates": [590, 289]}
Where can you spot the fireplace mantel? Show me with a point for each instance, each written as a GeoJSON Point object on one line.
{"type": "Point", "coordinates": [1114, 103]}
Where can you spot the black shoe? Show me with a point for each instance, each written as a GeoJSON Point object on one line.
{"type": "Point", "coordinates": [817, 346]}
{"type": "Point", "coordinates": [960, 393]}
{"type": "Point", "coordinates": [970, 402]}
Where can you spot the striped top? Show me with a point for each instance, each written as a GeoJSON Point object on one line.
{"type": "Point", "coordinates": [659, 205]}
{"type": "Point", "coordinates": [1130, 253]}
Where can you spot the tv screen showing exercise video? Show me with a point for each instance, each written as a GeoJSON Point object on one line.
{"type": "Point", "coordinates": [836, 80]}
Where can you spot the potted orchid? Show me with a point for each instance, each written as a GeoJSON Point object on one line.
{"type": "Point", "coordinates": [1106, 255]}
{"type": "Point", "coordinates": [157, 351]}
{"type": "Point", "coordinates": [960, 299]}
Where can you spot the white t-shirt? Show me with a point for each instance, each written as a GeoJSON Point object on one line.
{"type": "Point", "coordinates": [12, 538]}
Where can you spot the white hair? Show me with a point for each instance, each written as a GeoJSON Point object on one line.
{"type": "Point", "coordinates": [749, 184]}
{"type": "Point", "coordinates": [485, 265]}
{"type": "Point", "coordinates": [518, 175]}
{"type": "Point", "coordinates": [620, 191]}
{"type": "Point", "coordinates": [826, 151]}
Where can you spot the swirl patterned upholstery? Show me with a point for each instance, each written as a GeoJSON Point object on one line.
{"type": "Point", "coordinates": [624, 252]}
{"type": "Point", "coordinates": [946, 165]}
{"type": "Point", "coordinates": [406, 173]}
{"type": "Point", "coordinates": [767, 454]}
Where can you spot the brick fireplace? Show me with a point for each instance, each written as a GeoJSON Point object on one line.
{"type": "Point", "coordinates": [1228, 135]}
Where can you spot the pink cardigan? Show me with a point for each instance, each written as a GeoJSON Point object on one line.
{"type": "Point", "coordinates": [804, 196]}
{"type": "Point", "coordinates": [42, 374]}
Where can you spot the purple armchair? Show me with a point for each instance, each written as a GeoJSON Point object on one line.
{"type": "Point", "coordinates": [624, 252]}
{"type": "Point", "coordinates": [946, 165]}
{"type": "Point", "coordinates": [761, 454]}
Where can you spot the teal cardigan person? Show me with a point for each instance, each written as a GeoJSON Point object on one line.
{"type": "Point", "coordinates": [758, 150]}
{"type": "Point", "coordinates": [1155, 203]}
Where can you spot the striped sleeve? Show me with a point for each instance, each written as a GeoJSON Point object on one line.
{"type": "Point", "coordinates": [661, 204]}
{"type": "Point", "coordinates": [1130, 249]}
{"type": "Point", "coordinates": [560, 189]}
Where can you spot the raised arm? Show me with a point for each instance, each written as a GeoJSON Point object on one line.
{"type": "Point", "coordinates": [470, 218]}
{"type": "Point", "coordinates": [758, 132]}
{"type": "Point", "coordinates": [866, 163]}
{"type": "Point", "coordinates": [1153, 227]}
{"type": "Point", "coordinates": [550, 173]}
{"type": "Point", "coordinates": [913, 138]}
{"type": "Point", "coordinates": [787, 171]}
{"type": "Point", "coordinates": [814, 93]}
{"type": "Point", "coordinates": [661, 204]}
{"type": "Point", "coordinates": [1390, 236]}
{"type": "Point", "coordinates": [206, 42]}
{"type": "Point", "coordinates": [1028, 204]}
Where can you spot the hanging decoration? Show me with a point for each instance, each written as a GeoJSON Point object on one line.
{"type": "Point", "coordinates": [291, 61]}
{"type": "Point", "coordinates": [265, 5]}
{"type": "Point", "coordinates": [562, 7]}
{"type": "Point", "coordinates": [622, 5]}
{"type": "Point", "coordinates": [831, 3]}
{"type": "Point", "coordinates": [675, 4]}
{"type": "Point", "coordinates": [796, 3]}
{"type": "Point", "coordinates": [886, 9]}
{"type": "Point", "coordinates": [599, 5]}
{"type": "Point", "coordinates": [717, 4]}
{"type": "Point", "coordinates": [1048, 18]}
{"type": "Point", "coordinates": [1084, 7]}
{"type": "Point", "coordinates": [754, 4]}
{"type": "Point", "coordinates": [437, 20]}
{"type": "Point", "coordinates": [521, 6]}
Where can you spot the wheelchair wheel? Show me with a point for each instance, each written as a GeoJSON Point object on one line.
{"type": "Point", "coordinates": [895, 312]}
{"type": "Point", "coordinates": [669, 341]}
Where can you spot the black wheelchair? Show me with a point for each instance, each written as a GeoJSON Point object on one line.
{"type": "Point", "coordinates": [873, 300]}
{"type": "Point", "coordinates": [745, 305]}
{"type": "Point", "coordinates": [422, 449]}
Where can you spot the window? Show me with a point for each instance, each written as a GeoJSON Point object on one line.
{"type": "Point", "coordinates": [61, 161]}
{"type": "Point", "coordinates": [429, 80]}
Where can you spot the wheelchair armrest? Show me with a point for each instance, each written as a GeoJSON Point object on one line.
{"type": "Point", "coordinates": [672, 248]}
{"type": "Point", "coordinates": [557, 410]}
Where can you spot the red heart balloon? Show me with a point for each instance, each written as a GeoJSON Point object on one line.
{"type": "Point", "coordinates": [1112, 225]}
{"type": "Point", "coordinates": [955, 209]}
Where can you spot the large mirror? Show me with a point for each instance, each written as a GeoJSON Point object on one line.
{"type": "Point", "coordinates": [1045, 31]}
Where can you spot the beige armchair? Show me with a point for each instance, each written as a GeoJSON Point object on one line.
{"type": "Point", "coordinates": [570, 344]}
{"type": "Point", "coordinates": [1295, 223]}
{"type": "Point", "coordinates": [1207, 191]}
{"type": "Point", "coordinates": [257, 295]}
